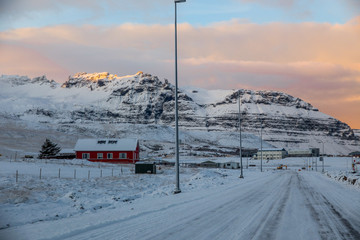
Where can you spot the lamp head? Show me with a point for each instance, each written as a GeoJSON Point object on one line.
{"type": "Point", "coordinates": [179, 1]}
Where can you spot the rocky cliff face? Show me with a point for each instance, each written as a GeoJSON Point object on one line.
{"type": "Point", "coordinates": [146, 99]}
{"type": "Point", "coordinates": [101, 99]}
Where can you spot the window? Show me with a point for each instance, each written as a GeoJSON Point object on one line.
{"type": "Point", "coordinates": [101, 142]}
{"type": "Point", "coordinates": [122, 155]}
{"type": "Point", "coordinates": [112, 142]}
{"type": "Point", "coordinates": [109, 156]}
{"type": "Point", "coordinates": [85, 155]}
{"type": "Point", "coordinates": [99, 155]}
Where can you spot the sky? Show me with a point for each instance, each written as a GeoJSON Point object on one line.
{"type": "Point", "coordinates": [309, 49]}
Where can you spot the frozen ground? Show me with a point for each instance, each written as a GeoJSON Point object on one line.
{"type": "Point", "coordinates": [114, 203]}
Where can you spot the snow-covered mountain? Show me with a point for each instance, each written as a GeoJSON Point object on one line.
{"type": "Point", "coordinates": [141, 105]}
{"type": "Point", "coordinates": [357, 132]}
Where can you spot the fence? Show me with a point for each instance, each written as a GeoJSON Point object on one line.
{"type": "Point", "coordinates": [68, 173]}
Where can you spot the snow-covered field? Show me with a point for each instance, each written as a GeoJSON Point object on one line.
{"type": "Point", "coordinates": [106, 201]}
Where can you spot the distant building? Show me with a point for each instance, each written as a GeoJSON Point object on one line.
{"type": "Point", "coordinates": [270, 153]}
{"type": "Point", "coordinates": [108, 150]}
{"type": "Point", "coordinates": [248, 152]}
{"type": "Point", "coordinates": [355, 154]}
{"type": "Point", "coordinates": [299, 153]}
{"type": "Point", "coordinates": [229, 165]}
{"type": "Point", "coordinates": [312, 152]}
{"type": "Point", "coordinates": [315, 152]}
{"type": "Point", "coordinates": [208, 164]}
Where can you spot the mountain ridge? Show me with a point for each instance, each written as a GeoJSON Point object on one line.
{"type": "Point", "coordinates": [103, 98]}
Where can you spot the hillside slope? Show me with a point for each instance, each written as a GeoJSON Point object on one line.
{"type": "Point", "coordinates": [141, 105]}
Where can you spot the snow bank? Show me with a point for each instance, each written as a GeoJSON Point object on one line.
{"type": "Point", "coordinates": [346, 177]}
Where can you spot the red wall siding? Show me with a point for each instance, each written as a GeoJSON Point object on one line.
{"type": "Point", "coordinates": [131, 156]}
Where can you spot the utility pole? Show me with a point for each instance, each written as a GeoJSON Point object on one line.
{"type": "Point", "coordinates": [308, 164]}
{"type": "Point", "coordinates": [241, 164]}
{"type": "Point", "coordinates": [261, 147]}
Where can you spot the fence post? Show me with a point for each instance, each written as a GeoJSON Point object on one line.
{"type": "Point", "coordinates": [59, 172]}
{"type": "Point", "coordinates": [74, 173]}
{"type": "Point", "coordinates": [100, 172]}
{"type": "Point", "coordinates": [17, 175]}
{"type": "Point", "coordinates": [88, 174]}
{"type": "Point", "coordinates": [112, 172]}
{"type": "Point", "coordinates": [40, 173]}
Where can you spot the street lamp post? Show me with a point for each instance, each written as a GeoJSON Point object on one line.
{"type": "Point", "coordinates": [177, 188]}
{"type": "Point", "coordinates": [241, 163]}
{"type": "Point", "coordinates": [323, 155]}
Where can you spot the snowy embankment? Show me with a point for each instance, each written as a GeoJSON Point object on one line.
{"type": "Point", "coordinates": [85, 187]}
{"type": "Point", "coordinates": [350, 175]}
{"type": "Point", "coordinates": [349, 178]}
{"type": "Point", "coordinates": [114, 203]}
{"type": "Point", "coordinates": [341, 170]}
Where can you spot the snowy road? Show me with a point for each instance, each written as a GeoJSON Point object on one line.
{"type": "Point", "coordinates": [276, 205]}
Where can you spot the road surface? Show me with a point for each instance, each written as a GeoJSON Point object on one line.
{"type": "Point", "coordinates": [280, 205]}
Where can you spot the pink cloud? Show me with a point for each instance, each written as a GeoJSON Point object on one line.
{"type": "Point", "coordinates": [17, 60]}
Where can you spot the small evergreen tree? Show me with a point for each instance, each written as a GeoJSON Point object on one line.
{"type": "Point", "coordinates": [49, 149]}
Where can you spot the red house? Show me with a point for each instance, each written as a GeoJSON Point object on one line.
{"type": "Point", "coordinates": [108, 150]}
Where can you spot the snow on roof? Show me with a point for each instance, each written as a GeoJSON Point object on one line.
{"type": "Point", "coordinates": [125, 144]}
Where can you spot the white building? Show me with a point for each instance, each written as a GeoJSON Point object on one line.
{"type": "Point", "coordinates": [270, 153]}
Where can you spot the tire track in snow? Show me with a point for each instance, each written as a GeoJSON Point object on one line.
{"type": "Point", "coordinates": [266, 229]}
{"type": "Point", "coordinates": [217, 223]}
{"type": "Point", "coordinates": [261, 208]}
{"type": "Point", "coordinates": [186, 225]}
{"type": "Point", "coordinates": [332, 223]}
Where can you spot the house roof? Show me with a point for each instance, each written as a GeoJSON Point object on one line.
{"type": "Point", "coordinates": [113, 144]}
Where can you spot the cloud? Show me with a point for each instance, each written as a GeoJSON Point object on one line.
{"type": "Point", "coordinates": [277, 3]}
{"type": "Point", "coordinates": [24, 9]}
{"type": "Point", "coordinates": [17, 60]}
{"type": "Point", "coordinates": [318, 62]}
{"type": "Point", "coordinates": [288, 4]}
{"type": "Point", "coordinates": [353, 99]}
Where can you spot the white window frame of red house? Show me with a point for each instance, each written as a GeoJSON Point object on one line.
{"type": "Point", "coordinates": [85, 155]}
{"type": "Point", "coordinates": [122, 155]}
{"type": "Point", "coordinates": [100, 155]}
{"type": "Point", "coordinates": [109, 155]}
